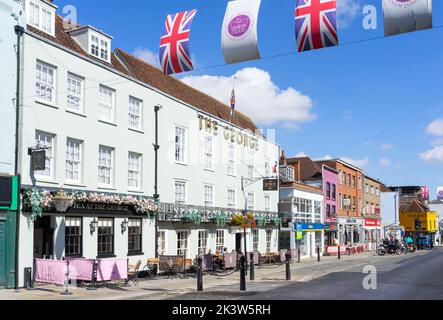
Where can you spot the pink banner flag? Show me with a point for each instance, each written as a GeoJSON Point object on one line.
{"type": "Point", "coordinates": [50, 271]}
{"type": "Point", "coordinates": [81, 269]}
{"type": "Point", "coordinates": [112, 269]}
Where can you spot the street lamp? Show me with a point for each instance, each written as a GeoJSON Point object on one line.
{"type": "Point", "coordinates": [61, 201]}
{"type": "Point", "coordinates": [124, 225]}
{"type": "Point", "coordinates": [93, 226]}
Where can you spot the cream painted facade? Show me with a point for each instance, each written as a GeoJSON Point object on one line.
{"type": "Point", "coordinates": [114, 142]}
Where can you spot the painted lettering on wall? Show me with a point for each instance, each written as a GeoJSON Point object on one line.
{"type": "Point", "coordinates": [229, 133]}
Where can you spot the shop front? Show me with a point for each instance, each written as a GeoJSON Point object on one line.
{"type": "Point", "coordinates": [373, 234]}
{"type": "Point", "coordinates": [350, 231]}
{"type": "Point", "coordinates": [309, 237]}
{"type": "Point", "coordinates": [331, 234]}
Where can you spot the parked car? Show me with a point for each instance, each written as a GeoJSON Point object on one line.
{"type": "Point", "coordinates": [424, 243]}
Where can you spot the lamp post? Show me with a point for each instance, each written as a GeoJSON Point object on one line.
{"type": "Point", "coordinates": [61, 201]}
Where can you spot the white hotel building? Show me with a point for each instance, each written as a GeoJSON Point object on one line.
{"type": "Point", "coordinates": [92, 109]}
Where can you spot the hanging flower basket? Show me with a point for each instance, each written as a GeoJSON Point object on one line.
{"type": "Point", "coordinates": [220, 219]}
{"type": "Point", "coordinates": [194, 216]}
{"type": "Point", "coordinates": [261, 221]}
{"type": "Point", "coordinates": [238, 219]}
{"type": "Point", "coordinates": [277, 221]}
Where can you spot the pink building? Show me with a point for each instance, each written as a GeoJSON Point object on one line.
{"type": "Point", "coordinates": [325, 177]}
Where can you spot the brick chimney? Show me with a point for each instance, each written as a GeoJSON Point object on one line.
{"type": "Point", "coordinates": [283, 158]}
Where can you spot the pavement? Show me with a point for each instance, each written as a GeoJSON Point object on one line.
{"type": "Point", "coordinates": [345, 275]}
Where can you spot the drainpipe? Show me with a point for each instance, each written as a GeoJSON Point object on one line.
{"type": "Point", "coordinates": [156, 195]}
{"type": "Point", "coordinates": [19, 30]}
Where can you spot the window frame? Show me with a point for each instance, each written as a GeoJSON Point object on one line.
{"type": "Point", "coordinates": [80, 253]}
{"type": "Point", "coordinates": [51, 158]}
{"type": "Point", "coordinates": [208, 152]}
{"type": "Point", "coordinates": [111, 168]}
{"type": "Point", "coordinates": [161, 250]}
{"type": "Point", "coordinates": [74, 77]}
{"type": "Point", "coordinates": [255, 239]}
{"type": "Point", "coordinates": [220, 235]}
{"type": "Point", "coordinates": [139, 173]}
{"type": "Point", "coordinates": [185, 241]}
{"type": "Point", "coordinates": [180, 146]}
{"type": "Point", "coordinates": [185, 200]}
{"type": "Point", "coordinates": [103, 104]}
{"type": "Point", "coordinates": [234, 204]}
{"type": "Point", "coordinates": [139, 236]}
{"type": "Point", "coordinates": [139, 115]}
{"type": "Point", "coordinates": [79, 162]}
{"type": "Point", "coordinates": [46, 84]}
{"type": "Point", "coordinates": [202, 250]}
{"type": "Point", "coordinates": [232, 162]}
{"type": "Point", "coordinates": [208, 204]}
{"type": "Point", "coordinates": [112, 235]}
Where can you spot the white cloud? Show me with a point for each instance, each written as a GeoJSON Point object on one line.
{"type": "Point", "coordinates": [358, 163]}
{"type": "Point", "coordinates": [347, 10]}
{"type": "Point", "coordinates": [257, 96]}
{"type": "Point", "coordinates": [436, 143]}
{"type": "Point", "coordinates": [147, 55]}
{"type": "Point", "coordinates": [301, 155]}
{"type": "Point", "coordinates": [387, 146]}
{"type": "Point", "coordinates": [436, 128]}
{"type": "Point", "coordinates": [384, 162]}
{"type": "Point", "coordinates": [433, 155]}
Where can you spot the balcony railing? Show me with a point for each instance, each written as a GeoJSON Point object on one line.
{"type": "Point", "coordinates": [177, 212]}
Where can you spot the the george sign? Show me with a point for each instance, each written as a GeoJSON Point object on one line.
{"type": "Point", "coordinates": [229, 133]}
{"type": "Point", "coordinates": [38, 160]}
{"type": "Point", "coordinates": [5, 191]}
{"type": "Point", "coordinates": [270, 185]}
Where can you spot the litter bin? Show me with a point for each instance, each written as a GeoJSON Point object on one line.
{"type": "Point", "coordinates": [28, 278]}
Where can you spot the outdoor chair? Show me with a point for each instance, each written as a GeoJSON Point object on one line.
{"type": "Point", "coordinates": [133, 271]}
{"type": "Point", "coordinates": [152, 267]}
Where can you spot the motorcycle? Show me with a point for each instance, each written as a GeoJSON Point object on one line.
{"type": "Point", "coordinates": [389, 249]}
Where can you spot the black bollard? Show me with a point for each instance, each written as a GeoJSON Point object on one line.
{"type": "Point", "coordinates": [242, 274]}
{"type": "Point", "coordinates": [288, 267]}
{"type": "Point", "coordinates": [298, 253]}
{"type": "Point", "coordinates": [252, 274]}
{"type": "Point", "coordinates": [199, 274]}
{"type": "Point", "coordinates": [339, 253]}
{"type": "Point", "coordinates": [318, 254]}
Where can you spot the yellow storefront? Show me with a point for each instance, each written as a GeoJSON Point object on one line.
{"type": "Point", "coordinates": [425, 221]}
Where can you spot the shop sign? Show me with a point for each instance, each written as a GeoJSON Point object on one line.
{"type": "Point", "coordinates": [299, 230]}
{"type": "Point", "coordinates": [440, 193]}
{"type": "Point", "coordinates": [229, 133]}
{"type": "Point", "coordinates": [270, 185]}
{"type": "Point", "coordinates": [329, 226]}
{"type": "Point", "coordinates": [350, 221]}
{"type": "Point", "coordinates": [90, 207]}
{"type": "Point", "coordinates": [372, 223]}
{"type": "Point", "coordinates": [309, 227]}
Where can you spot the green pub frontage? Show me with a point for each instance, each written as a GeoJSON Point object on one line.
{"type": "Point", "coordinates": [8, 215]}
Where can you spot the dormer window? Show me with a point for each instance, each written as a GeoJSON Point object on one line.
{"type": "Point", "coordinates": [93, 41]}
{"type": "Point", "coordinates": [41, 15]}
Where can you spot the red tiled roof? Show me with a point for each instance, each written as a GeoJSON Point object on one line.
{"type": "Point", "coordinates": [308, 168]}
{"type": "Point", "coordinates": [148, 74]}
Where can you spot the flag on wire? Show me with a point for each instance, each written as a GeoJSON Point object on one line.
{"type": "Point", "coordinates": [239, 33]}
{"type": "Point", "coordinates": [232, 102]}
{"type": "Point", "coordinates": [316, 24]}
{"type": "Point", "coordinates": [175, 55]}
{"type": "Point", "coordinates": [402, 16]}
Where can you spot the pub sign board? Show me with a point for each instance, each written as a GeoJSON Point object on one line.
{"type": "Point", "coordinates": [38, 160]}
{"type": "Point", "coordinates": [270, 185]}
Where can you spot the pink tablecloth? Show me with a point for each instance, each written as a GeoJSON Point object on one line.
{"type": "Point", "coordinates": [112, 269]}
{"type": "Point", "coordinates": [50, 271]}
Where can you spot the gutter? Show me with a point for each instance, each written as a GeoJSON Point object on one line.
{"type": "Point", "coordinates": [19, 30]}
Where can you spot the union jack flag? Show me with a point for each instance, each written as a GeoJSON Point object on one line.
{"type": "Point", "coordinates": [316, 24]}
{"type": "Point", "coordinates": [175, 55]}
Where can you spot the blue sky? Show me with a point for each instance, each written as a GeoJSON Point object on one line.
{"type": "Point", "coordinates": [371, 102]}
